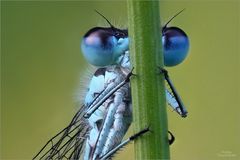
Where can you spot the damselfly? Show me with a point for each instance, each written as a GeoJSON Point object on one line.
{"type": "Point", "coordinates": [98, 127]}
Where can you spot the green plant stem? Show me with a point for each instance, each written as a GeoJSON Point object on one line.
{"type": "Point", "coordinates": [148, 90]}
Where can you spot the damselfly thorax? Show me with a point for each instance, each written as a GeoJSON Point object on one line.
{"type": "Point", "coordinates": [110, 121]}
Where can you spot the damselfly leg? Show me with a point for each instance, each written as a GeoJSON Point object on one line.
{"type": "Point", "coordinates": [130, 139]}
{"type": "Point", "coordinates": [124, 143]}
{"type": "Point", "coordinates": [172, 95]}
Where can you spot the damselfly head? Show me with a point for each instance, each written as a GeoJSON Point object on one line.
{"type": "Point", "coordinates": [102, 46]}
{"type": "Point", "coordinates": [175, 44]}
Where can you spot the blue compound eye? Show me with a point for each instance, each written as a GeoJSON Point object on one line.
{"type": "Point", "coordinates": [97, 46]}
{"type": "Point", "coordinates": [103, 46]}
{"type": "Point", "coordinates": [175, 46]}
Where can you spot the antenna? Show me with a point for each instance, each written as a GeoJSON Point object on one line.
{"type": "Point", "coordinates": [173, 18]}
{"type": "Point", "coordinates": [105, 19]}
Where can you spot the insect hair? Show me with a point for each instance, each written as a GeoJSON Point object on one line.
{"type": "Point", "coordinates": [81, 91]}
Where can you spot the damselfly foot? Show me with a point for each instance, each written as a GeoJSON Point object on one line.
{"type": "Point", "coordinates": [163, 71]}
{"type": "Point", "coordinates": [136, 135]}
{"type": "Point", "coordinates": [172, 139]}
{"type": "Point", "coordinates": [129, 75]}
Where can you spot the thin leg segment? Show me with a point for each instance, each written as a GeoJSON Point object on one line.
{"type": "Point", "coordinates": [180, 109]}
{"type": "Point", "coordinates": [124, 143]}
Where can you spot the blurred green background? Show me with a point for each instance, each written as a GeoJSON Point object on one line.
{"type": "Point", "coordinates": [41, 68]}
